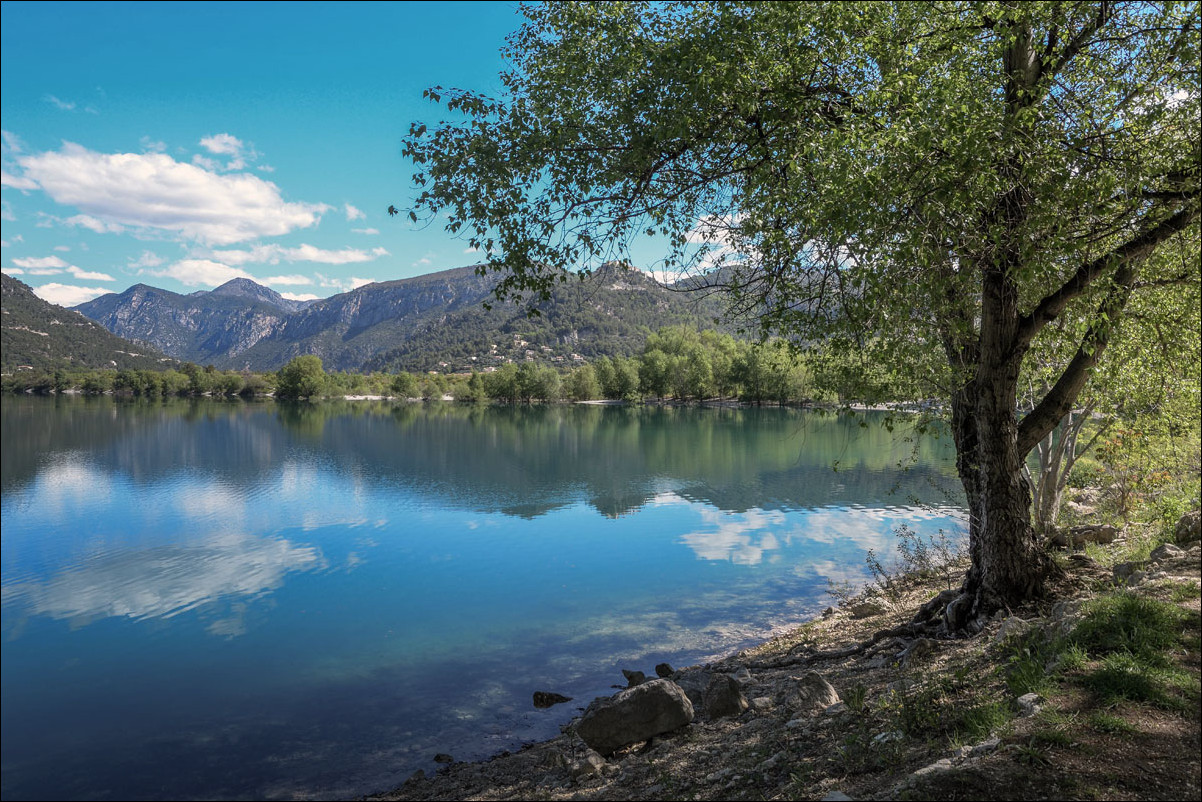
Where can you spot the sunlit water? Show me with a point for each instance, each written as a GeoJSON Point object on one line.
{"type": "Point", "coordinates": [205, 600]}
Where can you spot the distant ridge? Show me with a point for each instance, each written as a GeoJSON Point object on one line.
{"type": "Point", "coordinates": [245, 288]}
{"type": "Point", "coordinates": [430, 322]}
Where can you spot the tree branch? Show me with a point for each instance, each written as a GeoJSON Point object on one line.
{"type": "Point", "coordinates": [1132, 251]}
{"type": "Point", "coordinates": [1059, 400]}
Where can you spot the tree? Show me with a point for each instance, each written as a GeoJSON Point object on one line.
{"type": "Point", "coordinates": [503, 384]}
{"type": "Point", "coordinates": [404, 385]}
{"type": "Point", "coordinates": [942, 178]}
{"type": "Point", "coordinates": [581, 384]}
{"type": "Point", "coordinates": [302, 377]}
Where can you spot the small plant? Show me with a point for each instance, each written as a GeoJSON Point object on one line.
{"type": "Point", "coordinates": [1026, 670]}
{"type": "Point", "coordinates": [842, 591]}
{"type": "Point", "coordinates": [1126, 677]}
{"type": "Point", "coordinates": [1184, 591]}
{"type": "Point", "coordinates": [1102, 721]}
{"type": "Point", "coordinates": [886, 581]}
{"type": "Point", "coordinates": [981, 719]}
{"type": "Point", "coordinates": [854, 699]}
{"type": "Point", "coordinates": [1130, 623]}
{"type": "Point", "coordinates": [936, 556]}
{"type": "Point", "coordinates": [1032, 753]}
{"type": "Point", "coordinates": [1052, 737]}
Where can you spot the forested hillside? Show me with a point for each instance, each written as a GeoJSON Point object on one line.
{"type": "Point", "coordinates": [41, 335]}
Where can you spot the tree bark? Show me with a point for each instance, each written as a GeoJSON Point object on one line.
{"type": "Point", "coordinates": [1009, 564]}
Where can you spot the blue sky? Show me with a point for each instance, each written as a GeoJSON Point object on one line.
{"type": "Point", "coordinates": [184, 144]}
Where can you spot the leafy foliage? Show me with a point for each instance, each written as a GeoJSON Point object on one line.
{"type": "Point", "coordinates": [302, 377]}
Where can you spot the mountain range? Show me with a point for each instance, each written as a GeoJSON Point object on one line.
{"type": "Point", "coordinates": [432, 322]}
{"type": "Point", "coordinates": [37, 334]}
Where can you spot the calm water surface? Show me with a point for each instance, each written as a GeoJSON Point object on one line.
{"type": "Point", "coordinates": [207, 600]}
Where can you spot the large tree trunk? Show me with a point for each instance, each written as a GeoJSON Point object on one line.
{"type": "Point", "coordinates": [1009, 564]}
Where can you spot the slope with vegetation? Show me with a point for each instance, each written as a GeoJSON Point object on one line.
{"type": "Point", "coordinates": [42, 336]}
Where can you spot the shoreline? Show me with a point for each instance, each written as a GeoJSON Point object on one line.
{"type": "Point", "coordinates": [858, 745]}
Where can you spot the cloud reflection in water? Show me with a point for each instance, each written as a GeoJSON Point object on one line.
{"type": "Point", "coordinates": [164, 581]}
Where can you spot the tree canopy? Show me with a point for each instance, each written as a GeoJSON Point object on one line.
{"type": "Point", "coordinates": [947, 179]}
{"type": "Point", "coordinates": [302, 377]}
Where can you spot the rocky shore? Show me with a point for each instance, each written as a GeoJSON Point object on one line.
{"type": "Point", "coordinates": [849, 707]}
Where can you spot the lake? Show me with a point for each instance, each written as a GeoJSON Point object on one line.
{"type": "Point", "coordinates": [232, 600]}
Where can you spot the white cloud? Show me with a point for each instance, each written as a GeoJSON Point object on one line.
{"type": "Point", "coordinates": [343, 284]}
{"type": "Point", "coordinates": [147, 259]}
{"type": "Point", "coordinates": [7, 179]}
{"type": "Point", "coordinates": [39, 261]}
{"type": "Point", "coordinates": [86, 275]}
{"type": "Point", "coordinates": [206, 163]}
{"type": "Point", "coordinates": [274, 254]}
{"type": "Point", "coordinates": [731, 537]}
{"type": "Point", "coordinates": [4, 243]}
{"type": "Point", "coordinates": [224, 144]}
{"type": "Point", "coordinates": [365, 230]}
{"type": "Point", "coordinates": [155, 145]}
{"type": "Point", "coordinates": [63, 248]}
{"type": "Point", "coordinates": [354, 214]}
{"type": "Point", "coordinates": [68, 295]}
{"type": "Point", "coordinates": [471, 250]}
{"type": "Point", "coordinates": [293, 296]}
{"type": "Point", "coordinates": [12, 271]}
{"type": "Point", "coordinates": [292, 280]}
{"type": "Point", "coordinates": [10, 142]}
{"type": "Point", "coordinates": [6, 212]}
{"type": "Point", "coordinates": [93, 224]}
{"type": "Point", "coordinates": [62, 105]}
{"type": "Point", "coordinates": [201, 273]}
{"type": "Point", "coordinates": [152, 191]}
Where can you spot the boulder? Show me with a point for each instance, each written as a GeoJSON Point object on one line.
{"type": "Point", "coordinates": [694, 683]}
{"type": "Point", "coordinates": [724, 697]}
{"type": "Point", "coordinates": [1124, 571]}
{"type": "Point", "coordinates": [664, 670]}
{"type": "Point", "coordinates": [635, 714]}
{"type": "Point", "coordinates": [1189, 528]}
{"type": "Point", "coordinates": [869, 607]}
{"type": "Point", "coordinates": [1029, 704]}
{"type": "Point", "coordinates": [544, 699]}
{"type": "Point", "coordinates": [633, 678]}
{"type": "Point", "coordinates": [812, 694]}
{"type": "Point", "coordinates": [588, 766]}
{"type": "Point", "coordinates": [1012, 627]}
{"type": "Point", "coordinates": [1166, 551]}
{"type": "Point", "coordinates": [1080, 535]}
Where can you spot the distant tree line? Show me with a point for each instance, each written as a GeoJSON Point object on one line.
{"type": "Point", "coordinates": [677, 363]}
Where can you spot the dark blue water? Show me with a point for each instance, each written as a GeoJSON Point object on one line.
{"type": "Point", "coordinates": [207, 600]}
